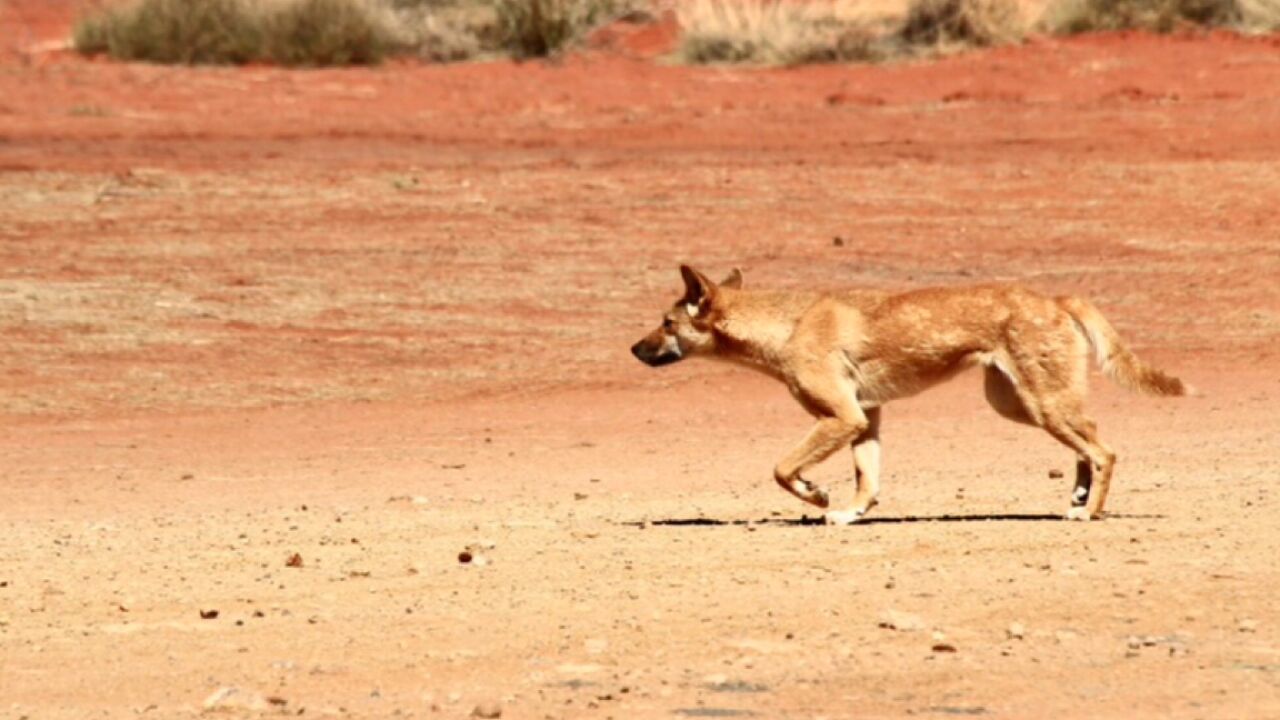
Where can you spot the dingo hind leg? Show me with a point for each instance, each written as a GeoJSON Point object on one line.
{"type": "Point", "coordinates": [1094, 465]}
{"type": "Point", "coordinates": [1050, 382]}
{"type": "Point", "coordinates": [1002, 394]}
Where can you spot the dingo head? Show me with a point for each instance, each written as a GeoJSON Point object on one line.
{"type": "Point", "coordinates": [686, 327]}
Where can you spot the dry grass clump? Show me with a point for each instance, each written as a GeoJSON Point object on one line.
{"type": "Point", "coordinates": [981, 23]}
{"type": "Point", "coordinates": [1079, 16]}
{"type": "Point", "coordinates": [539, 28]}
{"type": "Point", "coordinates": [219, 32]}
{"type": "Point", "coordinates": [443, 30]}
{"type": "Point", "coordinates": [784, 32]}
{"type": "Point", "coordinates": [776, 32]}
{"type": "Point", "coordinates": [338, 32]}
{"type": "Point", "coordinates": [174, 31]}
{"type": "Point", "coordinates": [329, 32]}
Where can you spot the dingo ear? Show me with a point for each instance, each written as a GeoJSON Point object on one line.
{"type": "Point", "coordinates": [734, 280]}
{"type": "Point", "coordinates": [698, 291]}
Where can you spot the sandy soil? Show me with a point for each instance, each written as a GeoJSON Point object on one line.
{"type": "Point", "coordinates": [378, 318]}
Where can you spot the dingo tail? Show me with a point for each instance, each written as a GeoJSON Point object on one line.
{"type": "Point", "coordinates": [1116, 360]}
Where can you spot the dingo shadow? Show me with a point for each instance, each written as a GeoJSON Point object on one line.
{"type": "Point", "coordinates": [807, 520]}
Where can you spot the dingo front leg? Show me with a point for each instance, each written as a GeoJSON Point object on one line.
{"type": "Point", "coordinates": [827, 436]}
{"type": "Point", "coordinates": [824, 391]}
{"type": "Point", "coordinates": [811, 493]}
{"type": "Point", "coordinates": [866, 466]}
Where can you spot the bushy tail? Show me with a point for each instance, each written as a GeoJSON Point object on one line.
{"type": "Point", "coordinates": [1116, 361]}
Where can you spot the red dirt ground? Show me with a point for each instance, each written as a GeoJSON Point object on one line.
{"type": "Point", "coordinates": [377, 317]}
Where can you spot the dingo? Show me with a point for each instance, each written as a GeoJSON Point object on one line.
{"type": "Point", "coordinates": [844, 354]}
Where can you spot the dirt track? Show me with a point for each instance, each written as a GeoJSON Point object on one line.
{"type": "Point", "coordinates": [377, 317]}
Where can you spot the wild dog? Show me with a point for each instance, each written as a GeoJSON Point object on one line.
{"type": "Point", "coordinates": [845, 354]}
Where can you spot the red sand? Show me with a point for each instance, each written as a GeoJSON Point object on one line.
{"type": "Point", "coordinates": [253, 312]}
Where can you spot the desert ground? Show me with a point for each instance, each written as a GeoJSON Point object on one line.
{"type": "Point", "coordinates": [279, 347]}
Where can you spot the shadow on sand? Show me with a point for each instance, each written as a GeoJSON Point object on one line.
{"type": "Point", "coordinates": [806, 520]}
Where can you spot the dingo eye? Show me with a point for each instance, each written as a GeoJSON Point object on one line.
{"type": "Point", "coordinates": [667, 324]}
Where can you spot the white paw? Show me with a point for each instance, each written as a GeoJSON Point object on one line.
{"type": "Point", "coordinates": [1078, 512]}
{"type": "Point", "coordinates": [844, 517]}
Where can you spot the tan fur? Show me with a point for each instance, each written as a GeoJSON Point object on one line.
{"type": "Point", "coordinates": [845, 354]}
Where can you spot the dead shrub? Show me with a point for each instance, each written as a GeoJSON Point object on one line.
{"type": "Point", "coordinates": [1079, 16]}
{"type": "Point", "coordinates": [174, 31]}
{"type": "Point", "coordinates": [327, 32]}
{"type": "Point", "coordinates": [1260, 16]}
{"type": "Point", "coordinates": [539, 28]}
{"type": "Point", "coordinates": [777, 32]}
{"type": "Point", "coordinates": [447, 30]}
{"type": "Point", "coordinates": [286, 32]}
{"type": "Point", "coordinates": [982, 23]}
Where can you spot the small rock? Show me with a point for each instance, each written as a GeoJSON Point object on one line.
{"type": "Point", "coordinates": [408, 500]}
{"type": "Point", "coordinates": [233, 699]}
{"type": "Point", "coordinates": [487, 710]}
{"type": "Point", "coordinates": [208, 614]}
{"type": "Point", "coordinates": [464, 557]}
{"type": "Point", "coordinates": [294, 561]}
{"type": "Point", "coordinates": [578, 668]}
{"type": "Point", "coordinates": [1055, 474]}
{"type": "Point", "coordinates": [901, 621]}
{"type": "Point", "coordinates": [943, 648]}
{"type": "Point", "coordinates": [1247, 625]}
{"type": "Point", "coordinates": [1015, 631]}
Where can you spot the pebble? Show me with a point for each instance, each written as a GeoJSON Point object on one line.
{"type": "Point", "coordinates": [232, 699]}
{"type": "Point", "coordinates": [900, 621]}
{"type": "Point", "coordinates": [1247, 625]}
{"type": "Point", "coordinates": [487, 710]}
{"type": "Point", "coordinates": [1015, 631]}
